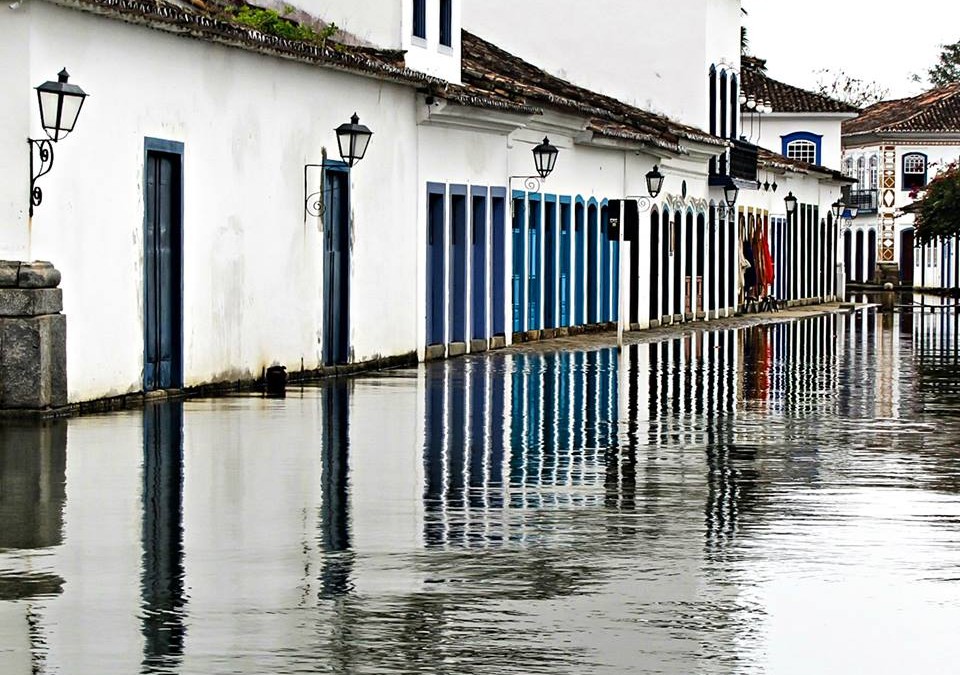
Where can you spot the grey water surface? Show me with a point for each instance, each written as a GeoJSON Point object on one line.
{"type": "Point", "coordinates": [779, 499]}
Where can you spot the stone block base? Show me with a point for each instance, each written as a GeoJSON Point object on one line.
{"type": "Point", "coordinates": [498, 342]}
{"type": "Point", "coordinates": [33, 363]}
{"type": "Point", "coordinates": [456, 349]}
{"type": "Point", "coordinates": [478, 346]}
{"type": "Point", "coordinates": [33, 337]}
{"type": "Point", "coordinates": [434, 352]}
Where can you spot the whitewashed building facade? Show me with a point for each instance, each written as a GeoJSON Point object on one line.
{"type": "Point", "coordinates": [206, 228]}
{"type": "Point", "coordinates": [893, 149]}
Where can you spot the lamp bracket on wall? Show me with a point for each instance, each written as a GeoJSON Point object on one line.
{"type": "Point", "coordinates": [41, 161]}
{"type": "Point", "coordinates": [644, 204]}
{"type": "Point", "coordinates": [530, 183]}
{"type": "Point", "coordinates": [313, 202]}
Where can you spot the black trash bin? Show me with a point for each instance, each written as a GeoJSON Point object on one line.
{"type": "Point", "coordinates": [277, 380]}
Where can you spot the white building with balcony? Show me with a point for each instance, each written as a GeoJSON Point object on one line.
{"type": "Point", "coordinates": [893, 149]}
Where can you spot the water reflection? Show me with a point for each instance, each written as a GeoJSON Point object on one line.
{"type": "Point", "coordinates": [335, 502]}
{"type": "Point", "coordinates": [33, 463]}
{"type": "Point", "coordinates": [164, 603]}
{"type": "Point", "coordinates": [713, 504]}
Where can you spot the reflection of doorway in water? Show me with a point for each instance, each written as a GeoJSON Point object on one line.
{"type": "Point", "coordinates": [335, 501]}
{"type": "Point", "coordinates": [162, 583]}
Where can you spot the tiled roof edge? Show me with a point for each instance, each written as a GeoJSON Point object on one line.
{"type": "Point", "coordinates": [182, 21]}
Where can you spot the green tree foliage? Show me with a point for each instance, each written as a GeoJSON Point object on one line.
{"type": "Point", "coordinates": [947, 69]}
{"type": "Point", "coordinates": [938, 211]}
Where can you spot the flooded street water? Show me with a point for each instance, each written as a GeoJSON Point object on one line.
{"type": "Point", "coordinates": [778, 499]}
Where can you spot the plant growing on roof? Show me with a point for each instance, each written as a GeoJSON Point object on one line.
{"type": "Point", "coordinates": [270, 21]}
{"type": "Point", "coordinates": [938, 211]}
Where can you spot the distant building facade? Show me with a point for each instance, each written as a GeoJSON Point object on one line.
{"type": "Point", "coordinates": [893, 149]}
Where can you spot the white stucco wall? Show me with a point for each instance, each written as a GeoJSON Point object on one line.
{"type": "Point", "coordinates": [639, 52]}
{"type": "Point", "coordinates": [377, 23]}
{"type": "Point", "coordinates": [768, 131]}
{"type": "Point", "coordinates": [252, 265]}
{"type": "Point", "coordinates": [15, 128]}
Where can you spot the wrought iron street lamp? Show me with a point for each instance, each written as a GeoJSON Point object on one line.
{"type": "Point", "coordinates": [60, 103]}
{"type": "Point", "coordinates": [545, 158]}
{"type": "Point", "coordinates": [837, 209]}
{"type": "Point", "coordinates": [730, 192]}
{"type": "Point", "coordinates": [654, 182]}
{"type": "Point", "coordinates": [353, 139]}
{"type": "Point", "coordinates": [791, 203]}
{"type": "Point", "coordinates": [544, 161]}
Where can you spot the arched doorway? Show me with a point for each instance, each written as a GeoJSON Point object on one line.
{"type": "Point", "coordinates": [654, 264]}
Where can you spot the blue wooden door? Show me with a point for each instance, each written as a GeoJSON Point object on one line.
{"type": "Point", "coordinates": [604, 281]}
{"type": "Point", "coordinates": [478, 245]}
{"type": "Point", "coordinates": [550, 264]}
{"type": "Point", "coordinates": [593, 263]}
{"type": "Point", "coordinates": [580, 267]}
{"type": "Point", "coordinates": [499, 235]}
{"type": "Point", "coordinates": [435, 265]}
{"type": "Point", "coordinates": [163, 289]}
{"type": "Point", "coordinates": [336, 266]}
{"type": "Point", "coordinates": [533, 269]}
{"type": "Point", "coordinates": [458, 262]}
{"type": "Point", "coordinates": [518, 258]}
{"type": "Point", "coordinates": [566, 289]}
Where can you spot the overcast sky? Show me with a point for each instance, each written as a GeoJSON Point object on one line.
{"type": "Point", "coordinates": [879, 40]}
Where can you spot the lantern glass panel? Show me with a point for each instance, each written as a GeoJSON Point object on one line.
{"type": "Point", "coordinates": [70, 112]}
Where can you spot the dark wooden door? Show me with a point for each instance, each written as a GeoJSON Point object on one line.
{"type": "Point", "coordinates": [162, 272]}
{"type": "Point", "coordinates": [906, 257]}
{"type": "Point", "coordinates": [336, 268]}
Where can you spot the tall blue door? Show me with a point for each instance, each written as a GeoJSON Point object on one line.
{"type": "Point", "coordinates": [593, 263]}
{"type": "Point", "coordinates": [550, 264]}
{"type": "Point", "coordinates": [533, 269]}
{"type": "Point", "coordinates": [580, 267]}
{"type": "Point", "coordinates": [458, 261]}
{"type": "Point", "coordinates": [162, 271]}
{"type": "Point", "coordinates": [336, 266]}
{"type": "Point", "coordinates": [517, 276]}
{"type": "Point", "coordinates": [435, 264]}
{"type": "Point", "coordinates": [605, 259]}
{"type": "Point", "coordinates": [566, 289]}
{"type": "Point", "coordinates": [499, 253]}
{"type": "Point", "coordinates": [478, 245]}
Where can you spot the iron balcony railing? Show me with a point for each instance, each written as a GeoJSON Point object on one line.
{"type": "Point", "coordinates": [864, 200]}
{"type": "Point", "coordinates": [743, 160]}
{"type": "Point", "coordinates": [739, 162]}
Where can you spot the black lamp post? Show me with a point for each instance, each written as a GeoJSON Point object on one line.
{"type": "Point", "coordinates": [730, 192]}
{"type": "Point", "coordinates": [837, 209]}
{"type": "Point", "coordinates": [791, 204]}
{"type": "Point", "coordinates": [654, 182]}
{"type": "Point", "coordinates": [545, 157]}
{"type": "Point", "coordinates": [353, 139]}
{"type": "Point", "coordinates": [60, 103]}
